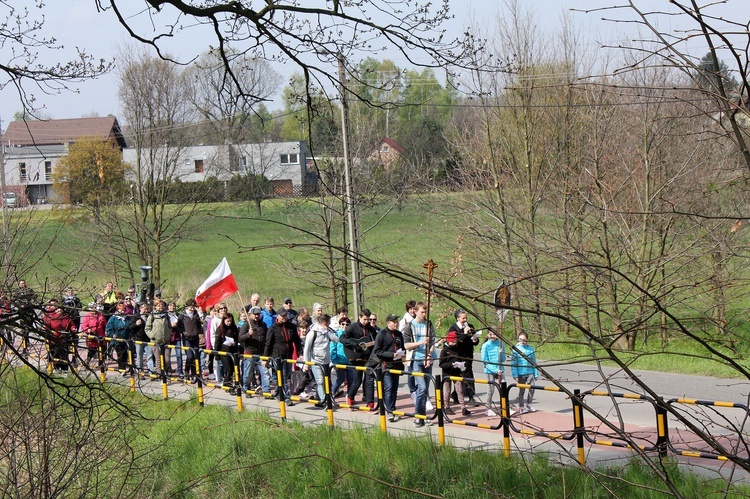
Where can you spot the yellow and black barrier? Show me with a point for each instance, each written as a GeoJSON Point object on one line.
{"type": "Point", "coordinates": [534, 433]}
{"type": "Point", "coordinates": [622, 443]}
{"type": "Point", "coordinates": [719, 456]}
{"type": "Point", "coordinates": [663, 444]}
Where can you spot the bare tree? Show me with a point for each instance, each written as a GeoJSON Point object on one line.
{"type": "Point", "coordinates": [22, 32]}
{"type": "Point", "coordinates": [216, 97]}
{"type": "Point", "coordinates": [158, 111]}
{"type": "Point", "coordinates": [723, 94]}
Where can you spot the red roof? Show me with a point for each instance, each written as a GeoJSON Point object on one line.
{"type": "Point", "coordinates": [390, 142]}
{"type": "Point", "coordinates": [52, 132]}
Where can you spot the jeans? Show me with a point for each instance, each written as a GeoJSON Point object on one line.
{"type": "Point", "coordinates": [340, 377]}
{"type": "Point", "coordinates": [248, 374]}
{"type": "Point", "coordinates": [153, 353]}
{"type": "Point", "coordinates": [317, 372]}
{"type": "Point", "coordinates": [390, 387]}
{"type": "Point", "coordinates": [219, 369]}
{"type": "Point", "coordinates": [177, 347]}
{"type": "Point", "coordinates": [142, 350]}
{"type": "Point", "coordinates": [422, 384]}
{"type": "Point", "coordinates": [355, 382]}
{"type": "Point", "coordinates": [526, 379]}
{"type": "Point", "coordinates": [191, 355]}
{"type": "Point", "coordinates": [286, 375]}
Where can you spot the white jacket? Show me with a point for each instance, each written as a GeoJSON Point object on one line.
{"type": "Point", "coordinates": [317, 344]}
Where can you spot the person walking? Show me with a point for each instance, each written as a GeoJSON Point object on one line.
{"type": "Point", "coordinates": [524, 371]}
{"type": "Point", "coordinates": [493, 358]}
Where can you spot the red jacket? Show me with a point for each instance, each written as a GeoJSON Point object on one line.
{"type": "Point", "coordinates": [93, 324]}
{"type": "Point", "coordinates": [58, 323]}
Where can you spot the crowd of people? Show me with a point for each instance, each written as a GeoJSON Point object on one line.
{"type": "Point", "coordinates": [152, 339]}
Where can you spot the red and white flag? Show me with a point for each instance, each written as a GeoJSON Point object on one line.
{"type": "Point", "coordinates": [218, 286]}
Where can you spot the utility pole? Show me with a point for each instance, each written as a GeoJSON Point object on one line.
{"type": "Point", "coordinates": [351, 209]}
{"type": "Point", "coordinates": [6, 256]}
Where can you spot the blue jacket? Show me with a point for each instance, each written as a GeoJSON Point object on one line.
{"type": "Point", "coordinates": [268, 318]}
{"type": "Point", "coordinates": [493, 356]}
{"type": "Point", "coordinates": [337, 350]}
{"type": "Point", "coordinates": [521, 366]}
{"type": "Point", "coordinates": [119, 326]}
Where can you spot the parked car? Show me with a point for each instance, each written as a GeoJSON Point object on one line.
{"type": "Point", "coordinates": [10, 200]}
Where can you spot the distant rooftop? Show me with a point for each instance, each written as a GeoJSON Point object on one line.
{"type": "Point", "coordinates": [51, 132]}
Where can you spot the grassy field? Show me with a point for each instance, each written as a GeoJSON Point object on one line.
{"type": "Point", "coordinates": [270, 257]}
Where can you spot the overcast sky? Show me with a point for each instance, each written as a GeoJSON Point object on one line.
{"type": "Point", "coordinates": [76, 23]}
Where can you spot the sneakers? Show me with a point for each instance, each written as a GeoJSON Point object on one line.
{"type": "Point", "coordinates": [248, 395]}
{"type": "Point", "coordinates": [371, 407]}
{"type": "Point", "coordinates": [339, 393]}
{"type": "Point", "coordinates": [289, 403]}
{"type": "Point", "coordinates": [491, 413]}
{"type": "Point", "coordinates": [320, 404]}
{"type": "Point", "coordinates": [418, 422]}
{"type": "Point", "coordinates": [349, 401]}
{"type": "Point", "coordinates": [530, 408]}
{"type": "Point", "coordinates": [465, 412]}
{"type": "Point", "coordinates": [449, 411]}
{"type": "Point", "coordinates": [392, 417]}
{"type": "Point", "coordinates": [258, 390]}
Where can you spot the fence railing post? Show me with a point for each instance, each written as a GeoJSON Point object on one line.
{"type": "Point", "coordinates": [578, 425]}
{"type": "Point", "coordinates": [163, 372]}
{"type": "Point", "coordinates": [505, 416]}
{"type": "Point", "coordinates": [439, 409]}
{"type": "Point", "coordinates": [662, 438]}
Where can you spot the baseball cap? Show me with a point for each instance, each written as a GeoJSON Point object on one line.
{"type": "Point", "coordinates": [391, 318]}
{"type": "Point", "coordinates": [255, 310]}
{"type": "Point", "coordinates": [287, 300]}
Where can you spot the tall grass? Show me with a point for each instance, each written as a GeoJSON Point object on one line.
{"type": "Point", "coordinates": [215, 450]}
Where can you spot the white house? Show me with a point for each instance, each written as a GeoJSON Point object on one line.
{"type": "Point", "coordinates": [283, 163]}
{"type": "Point", "coordinates": [32, 149]}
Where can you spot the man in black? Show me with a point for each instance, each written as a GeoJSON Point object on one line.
{"type": "Point", "coordinates": [467, 340]}
{"type": "Point", "coordinates": [389, 349]}
{"type": "Point", "coordinates": [283, 342]}
{"type": "Point", "coordinates": [253, 339]}
{"type": "Point", "coordinates": [358, 340]}
{"type": "Point", "coordinates": [291, 314]}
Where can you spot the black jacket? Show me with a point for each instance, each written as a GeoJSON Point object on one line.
{"type": "Point", "coordinates": [283, 341]}
{"type": "Point", "coordinates": [449, 355]}
{"type": "Point", "coordinates": [386, 344]}
{"type": "Point", "coordinates": [354, 336]}
{"type": "Point", "coordinates": [253, 337]}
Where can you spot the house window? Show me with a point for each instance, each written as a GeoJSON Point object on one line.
{"type": "Point", "coordinates": [198, 166]}
{"type": "Point", "coordinates": [240, 164]}
{"type": "Point", "coordinates": [289, 158]}
{"type": "Point", "coordinates": [187, 162]}
{"type": "Point", "coordinates": [48, 170]}
{"type": "Point", "coordinates": [386, 149]}
{"type": "Point", "coordinates": [23, 174]}
{"type": "Point", "coordinates": [293, 158]}
{"type": "Point", "coordinates": [284, 159]}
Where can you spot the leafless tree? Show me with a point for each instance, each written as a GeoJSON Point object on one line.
{"type": "Point", "coordinates": [159, 113]}
{"type": "Point", "coordinates": [22, 35]}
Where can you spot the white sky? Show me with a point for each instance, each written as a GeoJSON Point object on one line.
{"type": "Point", "coordinates": [76, 23]}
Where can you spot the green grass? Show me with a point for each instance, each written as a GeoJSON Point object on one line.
{"type": "Point", "coordinates": [269, 257]}
{"type": "Point", "coordinates": [250, 454]}
{"type": "Point", "coordinates": [680, 356]}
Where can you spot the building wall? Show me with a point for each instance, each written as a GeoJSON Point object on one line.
{"type": "Point", "coordinates": [29, 169]}
{"type": "Point", "coordinates": [277, 161]}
